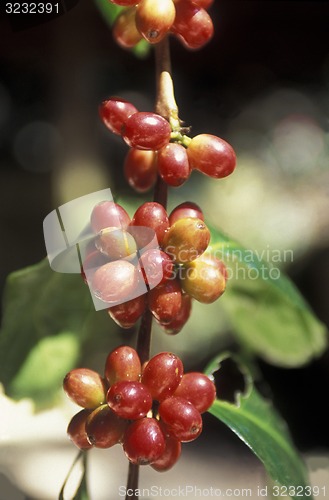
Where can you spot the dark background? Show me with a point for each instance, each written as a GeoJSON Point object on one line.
{"type": "Point", "coordinates": [60, 71]}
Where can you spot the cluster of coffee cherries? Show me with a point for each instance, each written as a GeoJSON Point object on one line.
{"type": "Point", "coordinates": [152, 20]}
{"type": "Point", "coordinates": [149, 409]}
{"type": "Point", "coordinates": [156, 149]}
{"type": "Point", "coordinates": [152, 261]}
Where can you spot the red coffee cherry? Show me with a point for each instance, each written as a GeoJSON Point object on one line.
{"type": "Point", "coordinates": [140, 169]}
{"type": "Point", "coordinates": [122, 364]}
{"type": "Point", "coordinates": [205, 4]}
{"type": "Point", "coordinates": [116, 243]}
{"type": "Point", "coordinates": [170, 455]}
{"type": "Point", "coordinates": [146, 130]}
{"type": "Point", "coordinates": [128, 313]}
{"type": "Point", "coordinates": [144, 441]}
{"type": "Point", "coordinates": [108, 214]}
{"type": "Point", "coordinates": [85, 387]}
{"type": "Point", "coordinates": [130, 400]}
{"type": "Point", "coordinates": [165, 301]}
{"type": "Point", "coordinates": [104, 428]}
{"type": "Point", "coordinates": [124, 30]}
{"type": "Point", "coordinates": [157, 267]}
{"type": "Point", "coordinates": [154, 18]}
{"type": "Point", "coordinates": [162, 375]}
{"type": "Point", "coordinates": [114, 113]}
{"type": "Point", "coordinates": [182, 420]}
{"type": "Point", "coordinates": [115, 282]}
{"type": "Point", "coordinates": [198, 389]}
{"type": "Point", "coordinates": [76, 430]}
{"type": "Point", "coordinates": [182, 316]}
{"type": "Point", "coordinates": [173, 164]}
{"type": "Point", "coordinates": [93, 261]}
{"type": "Point", "coordinates": [193, 25]}
{"type": "Point", "coordinates": [186, 209]}
{"type": "Point", "coordinates": [211, 155]}
{"type": "Point", "coordinates": [154, 216]}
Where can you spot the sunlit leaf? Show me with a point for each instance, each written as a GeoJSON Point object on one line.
{"type": "Point", "coordinates": [266, 311]}
{"type": "Point", "coordinates": [255, 421]}
{"type": "Point", "coordinates": [49, 322]}
{"type": "Point", "coordinates": [42, 372]}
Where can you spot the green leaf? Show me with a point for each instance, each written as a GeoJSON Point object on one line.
{"type": "Point", "coordinates": [82, 490]}
{"type": "Point", "coordinates": [37, 303]}
{"type": "Point", "coordinates": [42, 373]}
{"type": "Point", "coordinates": [255, 421]}
{"type": "Point", "coordinates": [49, 322]}
{"type": "Point", "coordinates": [267, 313]}
{"type": "Point", "coordinates": [108, 10]}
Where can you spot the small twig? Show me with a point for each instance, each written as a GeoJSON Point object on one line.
{"type": "Point", "coordinates": [144, 336]}
{"type": "Point", "coordinates": [132, 482]}
{"type": "Point", "coordinates": [161, 192]}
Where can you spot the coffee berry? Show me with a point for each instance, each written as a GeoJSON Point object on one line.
{"type": "Point", "coordinates": [157, 149]}
{"type": "Point", "coordinates": [149, 410]}
{"type": "Point", "coordinates": [154, 260]}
